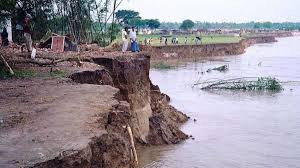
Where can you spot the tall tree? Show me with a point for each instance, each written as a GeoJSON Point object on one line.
{"type": "Point", "coordinates": [124, 16]}
{"type": "Point", "coordinates": [153, 23]}
{"type": "Point", "coordinates": [187, 24]}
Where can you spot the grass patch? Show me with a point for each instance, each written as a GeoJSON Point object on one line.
{"type": "Point", "coordinates": [206, 39]}
{"type": "Point", "coordinates": [212, 39]}
{"type": "Point", "coordinates": [162, 65]}
{"type": "Point", "coordinates": [25, 74]}
{"type": "Point", "coordinates": [58, 74]}
{"type": "Point", "coordinates": [18, 74]}
{"type": "Point", "coordinates": [4, 74]}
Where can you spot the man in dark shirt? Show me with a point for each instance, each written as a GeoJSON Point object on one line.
{"type": "Point", "coordinates": [27, 32]}
{"type": "Point", "coordinates": [4, 37]}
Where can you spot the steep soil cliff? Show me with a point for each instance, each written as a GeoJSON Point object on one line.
{"type": "Point", "coordinates": [151, 117]}
{"type": "Point", "coordinates": [82, 123]}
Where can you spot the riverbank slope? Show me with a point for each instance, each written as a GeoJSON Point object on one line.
{"type": "Point", "coordinates": [82, 121]}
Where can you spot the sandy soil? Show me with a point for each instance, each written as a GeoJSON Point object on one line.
{"type": "Point", "coordinates": [41, 118]}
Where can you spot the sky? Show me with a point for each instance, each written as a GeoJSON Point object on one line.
{"type": "Point", "coordinates": [216, 10]}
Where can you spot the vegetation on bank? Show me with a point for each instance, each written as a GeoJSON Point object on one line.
{"type": "Point", "coordinates": [162, 65]}
{"type": "Point", "coordinates": [227, 25]}
{"type": "Point", "coordinates": [250, 84]}
{"type": "Point", "coordinates": [30, 73]}
{"type": "Point", "coordinates": [206, 39]}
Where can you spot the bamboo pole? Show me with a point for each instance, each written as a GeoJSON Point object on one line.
{"type": "Point", "coordinates": [132, 145]}
{"type": "Point", "coordinates": [113, 21]}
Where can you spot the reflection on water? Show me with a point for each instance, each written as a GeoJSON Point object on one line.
{"type": "Point", "coordinates": [235, 128]}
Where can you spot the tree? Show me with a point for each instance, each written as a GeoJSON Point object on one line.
{"type": "Point", "coordinates": [124, 16]}
{"type": "Point", "coordinates": [139, 23]}
{"type": "Point", "coordinates": [187, 24]}
{"type": "Point", "coordinates": [153, 23]}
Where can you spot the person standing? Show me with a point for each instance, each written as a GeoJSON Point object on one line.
{"type": "Point", "coordinates": [133, 40]}
{"type": "Point", "coordinates": [19, 33]}
{"type": "Point", "coordinates": [27, 32]}
{"type": "Point", "coordinates": [125, 39]}
{"type": "Point", "coordinates": [4, 37]}
{"type": "Point", "coordinates": [198, 38]}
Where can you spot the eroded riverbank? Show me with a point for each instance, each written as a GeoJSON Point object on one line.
{"type": "Point", "coordinates": [48, 122]}
{"type": "Point", "coordinates": [132, 100]}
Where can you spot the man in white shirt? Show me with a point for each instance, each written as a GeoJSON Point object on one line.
{"type": "Point", "coordinates": [124, 39]}
{"type": "Point", "coordinates": [133, 40]}
{"type": "Point", "coordinates": [132, 34]}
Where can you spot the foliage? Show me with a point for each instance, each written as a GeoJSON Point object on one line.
{"type": "Point", "coordinates": [104, 38]}
{"type": "Point", "coordinates": [125, 16]}
{"type": "Point", "coordinates": [229, 25]}
{"type": "Point", "coordinates": [261, 83]}
{"type": "Point", "coordinates": [74, 17]}
{"type": "Point", "coordinates": [139, 23]}
{"type": "Point", "coordinates": [187, 24]}
{"type": "Point", "coordinates": [132, 18]}
{"type": "Point", "coordinates": [153, 23]}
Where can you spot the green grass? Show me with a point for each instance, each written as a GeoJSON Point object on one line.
{"type": "Point", "coordinates": [212, 39]}
{"type": "Point", "coordinates": [25, 73]}
{"type": "Point", "coordinates": [162, 65]}
{"type": "Point", "coordinates": [58, 74]}
{"type": "Point", "coordinates": [18, 74]}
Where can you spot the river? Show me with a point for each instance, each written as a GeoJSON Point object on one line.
{"type": "Point", "coordinates": [235, 129]}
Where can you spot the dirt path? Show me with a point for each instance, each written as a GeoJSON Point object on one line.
{"type": "Point", "coordinates": [41, 118]}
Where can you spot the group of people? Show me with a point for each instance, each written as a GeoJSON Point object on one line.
{"type": "Point", "coordinates": [175, 40]}
{"type": "Point", "coordinates": [24, 29]}
{"type": "Point", "coordinates": [132, 36]}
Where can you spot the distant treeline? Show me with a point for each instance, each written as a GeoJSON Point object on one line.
{"type": "Point", "coordinates": [227, 25]}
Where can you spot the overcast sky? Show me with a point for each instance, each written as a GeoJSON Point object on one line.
{"type": "Point", "coordinates": [217, 10]}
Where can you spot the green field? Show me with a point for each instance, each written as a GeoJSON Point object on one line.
{"type": "Point", "coordinates": [213, 39]}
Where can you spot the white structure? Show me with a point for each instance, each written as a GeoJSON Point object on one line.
{"type": "Point", "coordinates": [9, 30]}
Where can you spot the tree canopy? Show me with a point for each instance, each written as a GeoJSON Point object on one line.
{"type": "Point", "coordinates": [124, 16]}
{"type": "Point", "coordinates": [153, 23]}
{"type": "Point", "coordinates": [83, 19]}
{"type": "Point", "coordinates": [232, 25]}
{"type": "Point", "coordinates": [187, 24]}
{"type": "Point", "coordinates": [132, 18]}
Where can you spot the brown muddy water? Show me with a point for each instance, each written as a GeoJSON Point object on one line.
{"type": "Point", "coordinates": [235, 128]}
